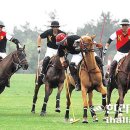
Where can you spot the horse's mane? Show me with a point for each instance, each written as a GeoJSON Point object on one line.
{"type": "Point", "coordinates": [55, 59]}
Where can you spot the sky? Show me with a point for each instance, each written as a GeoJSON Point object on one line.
{"type": "Point", "coordinates": [71, 13]}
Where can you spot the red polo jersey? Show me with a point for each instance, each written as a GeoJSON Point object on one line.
{"type": "Point", "coordinates": [123, 41]}
{"type": "Point", "coordinates": [3, 41]}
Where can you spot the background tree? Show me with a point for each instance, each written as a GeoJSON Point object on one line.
{"type": "Point", "coordinates": [28, 36]}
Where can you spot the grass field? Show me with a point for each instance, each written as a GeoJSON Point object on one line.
{"type": "Point", "coordinates": [16, 103]}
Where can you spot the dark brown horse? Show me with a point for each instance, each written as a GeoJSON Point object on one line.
{"type": "Point", "coordinates": [54, 79]}
{"type": "Point", "coordinates": [121, 82]}
{"type": "Point", "coordinates": [90, 74]}
{"type": "Point", "coordinates": [10, 64]}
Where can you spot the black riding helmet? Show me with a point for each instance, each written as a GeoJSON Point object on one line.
{"type": "Point", "coordinates": [125, 22]}
{"type": "Point", "coordinates": [55, 24]}
{"type": "Point", "coordinates": [1, 24]}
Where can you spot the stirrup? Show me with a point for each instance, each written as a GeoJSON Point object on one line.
{"type": "Point", "coordinates": [43, 78]}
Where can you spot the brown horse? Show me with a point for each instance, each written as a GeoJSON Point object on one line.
{"type": "Point", "coordinates": [54, 79]}
{"type": "Point", "coordinates": [90, 74]}
{"type": "Point", "coordinates": [70, 86]}
{"type": "Point", "coordinates": [10, 64]}
{"type": "Point", "coordinates": [121, 81]}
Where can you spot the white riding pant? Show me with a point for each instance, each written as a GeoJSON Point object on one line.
{"type": "Point", "coordinates": [119, 55]}
{"type": "Point", "coordinates": [50, 52]}
{"type": "Point", "coordinates": [3, 55]}
{"type": "Point", "coordinates": [76, 58]}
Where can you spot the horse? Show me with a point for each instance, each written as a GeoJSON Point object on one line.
{"type": "Point", "coordinates": [121, 81]}
{"type": "Point", "coordinates": [54, 79]}
{"type": "Point", "coordinates": [90, 74]}
{"type": "Point", "coordinates": [10, 64]}
{"type": "Point", "coordinates": [70, 86]}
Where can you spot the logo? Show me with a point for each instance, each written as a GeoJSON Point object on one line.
{"type": "Point", "coordinates": [49, 37]}
{"type": "Point", "coordinates": [119, 37]}
{"type": "Point", "coordinates": [111, 109]}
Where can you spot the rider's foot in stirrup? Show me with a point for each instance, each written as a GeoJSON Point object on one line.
{"type": "Point", "coordinates": [43, 78]}
{"type": "Point", "coordinates": [77, 87]}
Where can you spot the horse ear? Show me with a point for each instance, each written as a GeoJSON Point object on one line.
{"type": "Point", "coordinates": [93, 36]}
{"type": "Point", "coordinates": [23, 47]}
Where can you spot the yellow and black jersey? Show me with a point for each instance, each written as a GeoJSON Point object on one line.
{"type": "Point", "coordinates": [51, 39]}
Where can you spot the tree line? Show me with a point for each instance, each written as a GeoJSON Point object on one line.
{"type": "Point", "coordinates": [28, 37]}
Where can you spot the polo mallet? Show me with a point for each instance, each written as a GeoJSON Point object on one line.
{"type": "Point", "coordinates": [37, 73]}
{"type": "Point", "coordinates": [72, 120]}
{"type": "Point", "coordinates": [101, 50]}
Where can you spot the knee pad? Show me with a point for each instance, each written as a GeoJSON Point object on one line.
{"type": "Point", "coordinates": [98, 60]}
{"type": "Point", "coordinates": [73, 68]}
{"type": "Point", "coordinates": [114, 63]}
{"type": "Point", "coordinates": [47, 58]}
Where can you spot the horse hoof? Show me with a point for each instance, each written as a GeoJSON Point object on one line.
{"type": "Point", "coordinates": [85, 121]}
{"type": "Point", "coordinates": [105, 118]}
{"type": "Point", "coordinates": [57, 110]}
{"type": "Point", "coordinates": [95, 119]}
{"type": "Point", "coordinates": [42, 113]}
{"type": "Point", "coordinates": [120, 115]}
{"type": "Point", "coordinates": [33, 111]}
{"type": "Point", "coordinates": [66, 119]}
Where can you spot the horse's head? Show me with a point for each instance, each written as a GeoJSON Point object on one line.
{"type": "Point", "coordinates": [84, 43]}
{"type": "Point", "coordinates": [19, 57]}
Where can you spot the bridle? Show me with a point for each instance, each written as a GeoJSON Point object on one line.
{"type": "Point", "coordinates": [17, 61]}
{"type": "Point", "coordinates": [84, 49]}
{"type": "Point", "coordinates": [83, 46]}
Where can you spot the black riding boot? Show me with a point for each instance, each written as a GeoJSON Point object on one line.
{"type": "Point", "coordinates": [74, 74]}
{"type": "Point", "coordinates": [112, 70]}
{"type": "Point", "coordinates": [100, 65]}
{"type": "Point", "coordinates": [44, 67]}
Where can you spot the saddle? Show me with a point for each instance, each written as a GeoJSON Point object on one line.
{"type": "Point", "coordinates": [119, 65]}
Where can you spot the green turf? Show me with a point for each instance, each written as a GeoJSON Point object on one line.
{"type": "Point", "coordinates": [16, 103]}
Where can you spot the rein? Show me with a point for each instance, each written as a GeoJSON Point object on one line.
{"type": "Point", "coordinates": [19, 61]}
{"type": "Point", "coordinates": [83, 45]}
